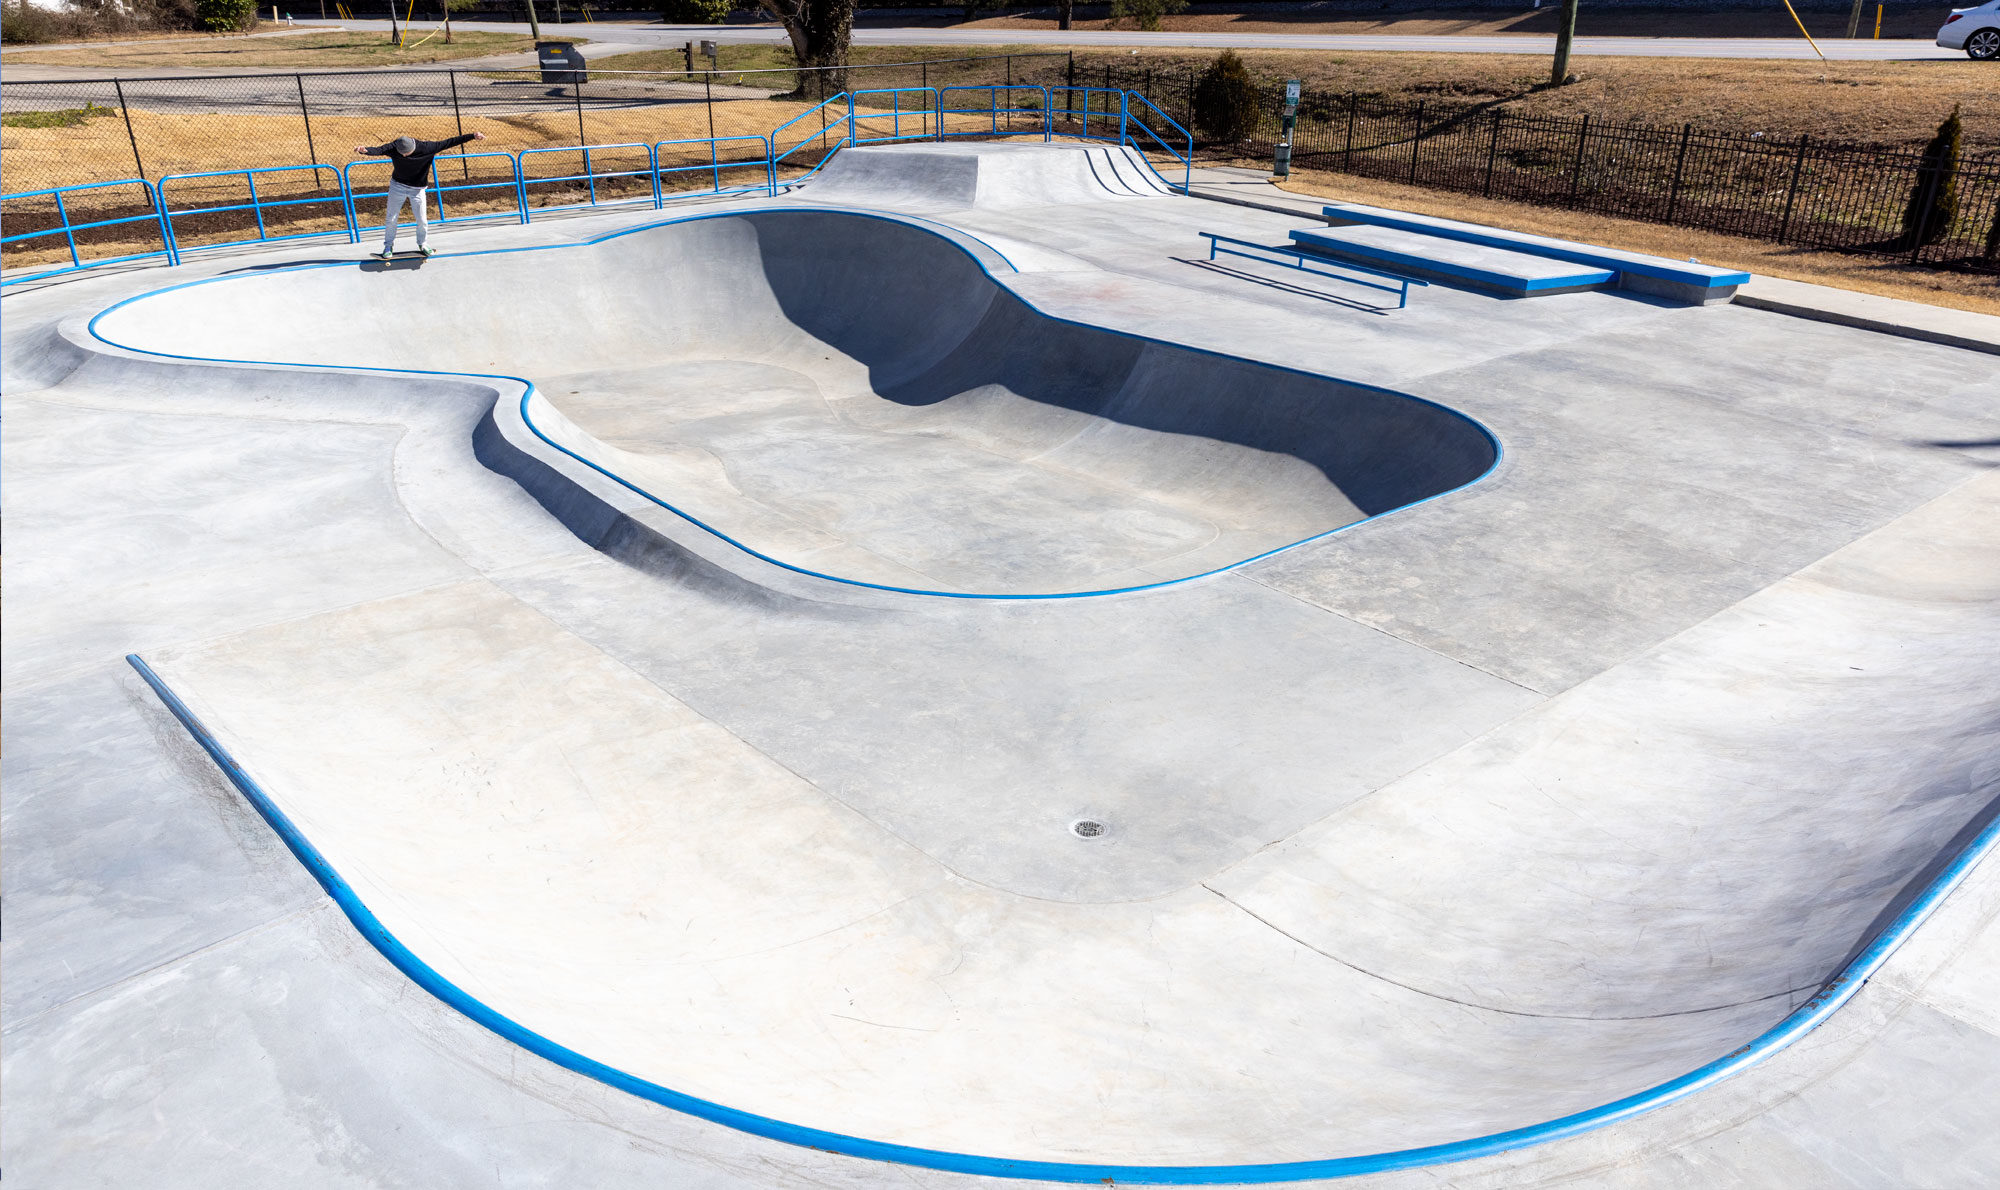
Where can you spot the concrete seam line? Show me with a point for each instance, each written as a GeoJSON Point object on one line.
{"type": "Point", "coordinates": [1802, 1020]}
{"type": "Point", "coordinates": [529, 392]}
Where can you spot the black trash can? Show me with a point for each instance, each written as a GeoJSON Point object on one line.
{"type": "Point", "coordinates": [562, 63]}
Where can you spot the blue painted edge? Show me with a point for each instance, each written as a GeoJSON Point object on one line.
{"type": "Point", "coordinates": [1836, 992]}
{"type": "Point", "coordinates": [1332, 243]}
{"type": "Point", "coordinates": [1543, 246]}
{"type": "Point", "coordinates": [528, 392]}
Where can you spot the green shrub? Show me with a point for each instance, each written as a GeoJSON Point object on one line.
{"type": "Point", "coordinates": [1146, 12]}
{"type": "Point", "coordinates": [225, 16]}
{"type": "Point", "coordinates": [1933, 205]}
{"type": "Point", "coordinates": [694, 12]}
{"type": "Point", "coordinates": [1227, 101]}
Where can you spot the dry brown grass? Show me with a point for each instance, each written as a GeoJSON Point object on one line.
{"type": "Point", "coordinates": [1590, 21]}
{"type": "Point", "coordinates": [1878, 275]}
{"type": "Point", "coordinates": [306, 51]}
{"type": "Point", "coordinates": [1876, 103]}
{"type": "Point", "coordinates": [175, 142]}
{"type": "Point", "coordinates": [179, 144]}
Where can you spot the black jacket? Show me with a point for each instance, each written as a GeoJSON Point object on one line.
{"type": "Point", "coordinates": [415, 169]}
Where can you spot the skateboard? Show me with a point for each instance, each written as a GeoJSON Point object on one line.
{"type": "Point", "coordinates": [404, 254]}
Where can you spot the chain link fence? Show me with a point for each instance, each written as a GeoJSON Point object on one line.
{"type": "Point", "coordinates": [197, 137]}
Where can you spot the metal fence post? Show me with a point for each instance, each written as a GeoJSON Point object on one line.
{"type": "Point", "coordinates": [129, 135]}
{"type": "Point", "coordinates": [1347, 158]}
{"type": "Point", "coordinates": [1792, 194]}
{"type": "Point", "coordinates": [1936, 172]}
{"type": "Point", "coordinates": [708, 97]}
{"type": "Point", "coordinates": [458, 122]}
{"type": "Point", "coordinates": [312, 154]}
{"type": "Point", "coordinates": [1492, 152]}
{"type": "Point", "coordinates": [1416, 139]}
{"type": "Point", "coordinates": [1576, 170]}
{"type": "Point", "coordinates": [576, 90]}
{"type": "Point", "coordinates": [1680, 160]}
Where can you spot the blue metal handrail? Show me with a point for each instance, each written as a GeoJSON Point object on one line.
{"type": "Point", "coordinates": [258, 204]}
{"type": "Point", "coordinates": [1069, 97]}
{"type": "Point", "coordinates": [588, 176]}
{"type": "Point", "coordinates": [68, 230]}
{"type": "Point", "coordinates": [895, 113]}
{"type": "Point", "coordinates": [847, 129]}
{"type": "Point", "coordinates": [512, 184]}
{"type": "Point", "coordinates": [1129, 120]}
{"type": "Point", "coordinates": [840, 102]}
{"type": "Point", "coordinates": [715, 165]}
{"type": "Point", "coordinates": [993, 111]}
{"type": "Point", "coordinates": [1298, 261]}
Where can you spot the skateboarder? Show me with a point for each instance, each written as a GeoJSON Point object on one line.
{"type": "Point", "coordinates": [407, 180]}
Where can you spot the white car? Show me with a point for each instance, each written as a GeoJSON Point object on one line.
{"type": "Point", "coordinates": [1974, 30]}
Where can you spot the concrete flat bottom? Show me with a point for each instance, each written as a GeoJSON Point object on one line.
{"type": "Point", "coordinates": [1556, 780]}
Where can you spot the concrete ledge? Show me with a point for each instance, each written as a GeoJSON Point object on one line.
{"type": "Point", "coordinates": [1704, 277]}
{"type": "Point", "coordinates": [1515, 274]}
{"type": "Point", "coordinates": [1871, 312]}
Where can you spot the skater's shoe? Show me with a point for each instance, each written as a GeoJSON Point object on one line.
{"type": "Point", "coordinates": [385, 256]}
{"type": "Point", "coordinates": [424, 251]}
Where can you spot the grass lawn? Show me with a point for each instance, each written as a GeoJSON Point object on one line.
{"type": "Point", "coordinates": [308, 51]}
{"type": "Point", "coordinates": [1875, 103]}
{"type": "Point", "coordinates": [1768, 21]}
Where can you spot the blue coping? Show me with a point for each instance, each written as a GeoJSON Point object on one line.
{"type": "Point", "coordinates": [1330, 240]}
{"type": "Point", "coordinates": [1682, 272]}
{"type": "Point", "coordinates": [528, 391]}
{"type": "Point", "coordinates": [1983, 839]}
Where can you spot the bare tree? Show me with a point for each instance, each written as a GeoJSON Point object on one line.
{"type": "Point", "coordinates": [820, 31]}
{"type": "Point", "coordinates": [1065, 10]}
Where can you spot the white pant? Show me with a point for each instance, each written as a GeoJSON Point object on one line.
{"type": "Point", "coordinates": [398, 195]}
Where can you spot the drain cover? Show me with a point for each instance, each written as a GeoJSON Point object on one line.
{"type": "Point", "coordinates": [1086, 828]}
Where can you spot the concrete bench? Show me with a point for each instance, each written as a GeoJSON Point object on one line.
{"type": "Point", "coordinates": [1515, 274]}
{"type": "Point", "coordinates": [1686, 281]}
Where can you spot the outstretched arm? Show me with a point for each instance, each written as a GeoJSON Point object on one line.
{"type": "Point", "coordinates": [438, 146]}
{"type": "Point", "coordinates": [377, 151]}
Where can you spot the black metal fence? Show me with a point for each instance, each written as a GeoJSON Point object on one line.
{"type": "Point", "coordinates": [1794, 192]}
{"type": "Point", "coordinates": [1787, 192]}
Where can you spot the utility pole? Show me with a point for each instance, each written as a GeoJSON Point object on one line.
{"type": "Point", "coordinates": [395, 34]}
{"type": "Point", "coordinates": [1565, 33]}
{"type": "Point", "coordinates": [534, 26]}
{"type": "Point", "coordinates": [1854, 20]}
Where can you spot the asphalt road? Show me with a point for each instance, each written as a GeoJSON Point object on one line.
{"type": "Point", "coordinates": [1513, 43]}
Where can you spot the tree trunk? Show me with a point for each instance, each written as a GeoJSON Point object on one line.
{"type": "Point", "coordinates": [1565, 33]}
{"type": "Point", "coordinates": [820, 31]}
{"type": "Point", "coordinates": [534, 26]}
{"type": "Point", "coordinates": [1065, 11]}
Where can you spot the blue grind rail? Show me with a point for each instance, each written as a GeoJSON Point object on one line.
{"type": "Point", "coordinates": [1293, 258]}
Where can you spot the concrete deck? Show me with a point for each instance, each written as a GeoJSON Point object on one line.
{"type": "Point", "coordinates": [1502, 805]}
